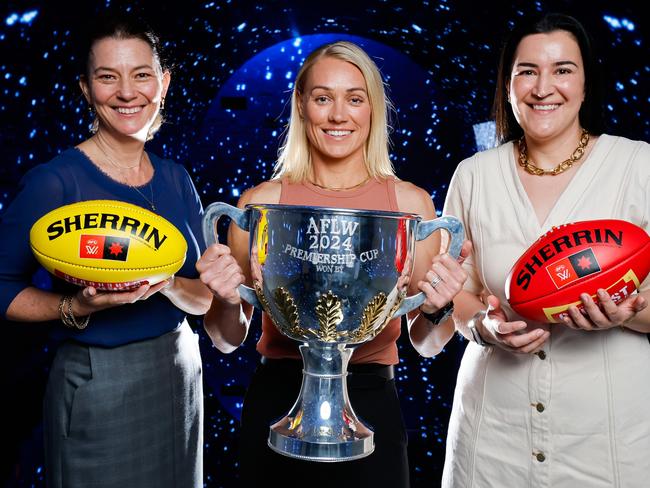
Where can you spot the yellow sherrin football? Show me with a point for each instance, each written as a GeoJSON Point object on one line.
{"type": "Point", "coordinates": [107, 244]}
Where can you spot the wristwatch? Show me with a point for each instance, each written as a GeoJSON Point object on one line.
{"type": "Point", "coordinates": [439, 315]}
{"type": "Point", "coordinates": [471, 325]}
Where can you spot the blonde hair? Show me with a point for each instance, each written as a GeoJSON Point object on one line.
{"type": "Point", "coordinates": [294, 156]}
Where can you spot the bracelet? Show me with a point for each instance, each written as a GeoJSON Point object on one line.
{"type": "Point", "coordinates": [67, 316]}
{"type": "Point", "coordinates": [471, 325]}
{"type": "Point", "coordinates": [440, 315]}
{"type": "Point", "coordinates": [62, 306]}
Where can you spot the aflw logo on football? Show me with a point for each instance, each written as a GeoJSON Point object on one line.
{"type": "Point", "coordinates": [562, 273]}
{"type": "Point", "coordinates": [103, 247]}
{"type": "Point", "coordinates": [92, 247]}
{"type": "Point", "coordinates": [572, 268]}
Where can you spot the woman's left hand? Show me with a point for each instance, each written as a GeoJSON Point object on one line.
{"type": "Point", "coordinates": [444, 280]}
{"type": "Point", "coordinates": [604, 315]}
{"type": "Point", "coordinates": [91, 299]}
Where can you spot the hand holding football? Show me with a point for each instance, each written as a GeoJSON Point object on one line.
{"type": "Point", "coordinates": [576, 258]}
{"type": "Point", "coordinates": [107, 244]}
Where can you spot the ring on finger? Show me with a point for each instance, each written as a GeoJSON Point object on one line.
{"type": "Point", "coordinates": [435, 280]}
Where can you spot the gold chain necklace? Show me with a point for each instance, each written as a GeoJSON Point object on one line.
{"type": "Point", "coordinates": [121, 171]}
{"type": "Point", "coordinates": [340, 188]}
{"type": "Point", "coordinates": [533, 169]}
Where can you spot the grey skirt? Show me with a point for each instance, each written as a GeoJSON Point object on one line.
{"type": "Point", "coordinates": [130, 416]}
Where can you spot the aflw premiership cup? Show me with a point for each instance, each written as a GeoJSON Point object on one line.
{"type": "Point", "coordinates": [331, 279]}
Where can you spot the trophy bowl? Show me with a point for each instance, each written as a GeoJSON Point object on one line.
{"type": "Point", "coordinates": [330, 279]}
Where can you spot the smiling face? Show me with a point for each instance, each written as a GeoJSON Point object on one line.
{"type": "Point", "coordinates": [336, 111]}
{"type": "Point", "coordinates": [547, 85]}
{"type": "Point", "coordinates": [125, 84]}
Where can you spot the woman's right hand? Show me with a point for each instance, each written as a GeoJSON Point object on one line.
{"type": "Point", "coordinates": [220, 272]}
{"type": "Point", "coordinates": [511, 336]}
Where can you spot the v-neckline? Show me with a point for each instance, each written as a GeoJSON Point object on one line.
{"type": "Point", "coordinates": [566, 202]}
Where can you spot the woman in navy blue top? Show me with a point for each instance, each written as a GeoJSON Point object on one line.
{"type": "Point", "coordinates": [123, 405]}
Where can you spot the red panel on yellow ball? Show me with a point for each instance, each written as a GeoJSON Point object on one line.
{"type": "Point", "coordinates": [576, 258]}
{"type": "Point", "coordinates": [108, 244]}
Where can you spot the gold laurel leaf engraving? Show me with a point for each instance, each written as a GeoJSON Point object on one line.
{"type": "Point", "coordinates": [393, 309]}
{"type": "Point", "coordinates": [370, 315]}
{"type": "Point", "coordinates": [287, 306]}
{"type": "Point", "coordinates": [265, 303]}
{"type": "Point", "coordinates": [329, 314]}
{"type": "Point", "coordinates": [261, 297]}
{"type": "Point", "coordinates": [398, 302]}
{"type": "Point", "coordinates": [294, 328]}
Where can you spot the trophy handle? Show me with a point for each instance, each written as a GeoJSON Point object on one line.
{"type": "Point", "coordinates": [211, 216]}
{"type": "Point", "coordinates": [424, 230]}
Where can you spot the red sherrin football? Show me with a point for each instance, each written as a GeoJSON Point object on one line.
{"type": "Point", "coordinates": [578, 258]}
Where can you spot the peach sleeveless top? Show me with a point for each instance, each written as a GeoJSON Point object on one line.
{"type": "Point", "coordinates": [375, 195]}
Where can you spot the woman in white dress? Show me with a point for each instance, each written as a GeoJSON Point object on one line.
{"type": "Point", "coordinates": [536, 404]}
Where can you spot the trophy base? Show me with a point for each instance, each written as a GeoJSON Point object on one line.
{"type": "Point", "coordinates": [321, 425]}
{"type": "Point", "coordinates": [326, 452]}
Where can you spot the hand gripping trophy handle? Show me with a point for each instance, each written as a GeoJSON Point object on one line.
{"type": "Point", "coordinates": [424, 230]}
{"type": "Point", "coordinates": [212, 214]}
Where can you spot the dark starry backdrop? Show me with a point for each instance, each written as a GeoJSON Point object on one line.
{"type": "Point", "coordinates": [234, 63]}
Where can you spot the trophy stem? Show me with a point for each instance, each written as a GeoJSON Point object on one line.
{"type": "Point", "coordinates": [321, 425]}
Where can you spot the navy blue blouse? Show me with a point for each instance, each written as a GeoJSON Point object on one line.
{"type": "Point", "coordinates": [72, 177]}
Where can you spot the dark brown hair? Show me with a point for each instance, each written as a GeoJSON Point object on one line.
{"type": "Point", "coordinates": [119, 26]}
{"type": "Point", "coordinates": [590, 115]}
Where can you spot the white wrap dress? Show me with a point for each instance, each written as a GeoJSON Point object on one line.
{"type": "Point", "coordinates": [578, 413]}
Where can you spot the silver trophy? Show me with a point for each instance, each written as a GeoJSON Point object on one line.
{"type": "Point", "coordinates": [331, 279]}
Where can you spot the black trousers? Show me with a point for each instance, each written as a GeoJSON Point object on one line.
{"type": "Point", "coordinates": [273, 391]}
